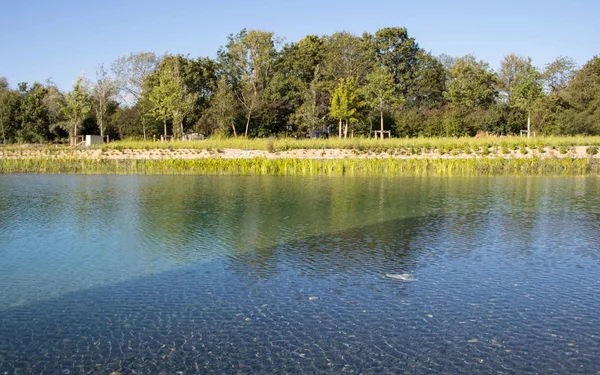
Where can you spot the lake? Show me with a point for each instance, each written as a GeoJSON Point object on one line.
{"type": "Point", "coordinates": [232, 274]}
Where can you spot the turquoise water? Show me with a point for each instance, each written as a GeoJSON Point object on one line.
{"type": "Point", "coordinates": [266, 274]}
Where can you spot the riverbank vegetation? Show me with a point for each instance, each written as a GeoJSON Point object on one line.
{"type": "Point", "coordinates": [289, 166]}
{"type": "Point", "coordinates": [392, 146]}
{"type": "Point", "coordinates": [344, 84]}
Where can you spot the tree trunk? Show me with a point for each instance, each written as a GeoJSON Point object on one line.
{"type": "Point", "coordinates": [165, 128]}
{"type": "Point", "coordinates": [381, 114]}
{"type": "Point", "coordinates": [346, 130]}
{"type": "Point", "coordinates": [75, 133]}
{"type": "Point", "coordinates": [340, 129]}
{"type": "Point", "coordinates": [528, 124]}
{"type": "Point", "coordinates": [247, 124]}
{"type": "Point", "coordinates": [233, 127]}
{"type": "Point", "coordinates": [101, 125]}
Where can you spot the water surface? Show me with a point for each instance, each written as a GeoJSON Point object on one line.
{"type": "Point", "coordinates": [291, 275]}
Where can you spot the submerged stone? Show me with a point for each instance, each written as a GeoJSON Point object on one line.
{"type": "Point", "coordinates": [402, 277]}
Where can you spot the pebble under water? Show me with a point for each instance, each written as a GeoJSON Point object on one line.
{"type": "Point", "coordinates": [273, 275]}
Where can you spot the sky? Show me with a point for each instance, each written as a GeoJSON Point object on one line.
{"type": "Point", "coordinates": [63, 39]}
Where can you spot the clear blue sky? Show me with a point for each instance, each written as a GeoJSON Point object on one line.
{"type": "Point", "coordinates": [60, 39]}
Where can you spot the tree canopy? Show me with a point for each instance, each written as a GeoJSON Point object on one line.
{"type": "Point", "coordinates": [257, 86]}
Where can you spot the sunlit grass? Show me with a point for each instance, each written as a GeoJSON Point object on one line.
{"type": "Point", "coordinates": [365, 144]}
{"type": "Point", "coordinates": [290, 166]}
{"type": "Point", "coordinates": [409, 146]}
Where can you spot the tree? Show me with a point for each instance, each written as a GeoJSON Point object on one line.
{"type": "Point", "coordinates": [161, 97]}
{"type": "Point", "coordinates": [429, 82]}
{"type": "Point", "coordinates": [347, 56]}
{"type": "Point", "coordinates": [345, 103]}
{"type": "Point", "coordinates": [76, 107]}
{"type": "Point", "coordinates": [103, 94]}
{"type": "Point", "coordinates": [3, 84]}
{"type": "Point", "coordinates": [447, 61]}
{"type": "Point", "coordinates": [311, 113]}
{"type": "Point", "coordinates": [379, 91]}
{"type": "Point", "coordinates": [296, 89]}
{"type": "Point", "coordinates": [9, 112]}
{"type": "Point", "coordinates": [526, 91]}
{"type": "Point", "coordinates": [583, 95]}
{"type": "Point", "coordinates": [399, 53]}
{"type": "Point", "coordinates": [33, 114]}
{"type": "Point", "coordinates": [512, 67]}
{"type": "Point", "coordinates": [223, 107]}
{"type": "Point", "coordinates": [170, 97]}
{"type": "Point", "coordinates": [131, 73]}
{"type": "Point", "coordinates": [472, 84]}
{"type": "Point", "coordinates": [584, 87]}
{"type": "Point", "coordinates": [53, 101]}
{"type": "Point", "coordinates": [248, 60]}
{"type": "Point", "coordinates": [559, 73]}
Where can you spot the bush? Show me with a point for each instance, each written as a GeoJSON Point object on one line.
{"type": "Point", "coordinates": [593, 150]}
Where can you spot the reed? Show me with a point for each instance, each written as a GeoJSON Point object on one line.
{"type": "Point", "coordinates": [337, 167]}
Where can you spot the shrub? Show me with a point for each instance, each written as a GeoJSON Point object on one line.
{"type": "Point", "coordinates": [593, 150]}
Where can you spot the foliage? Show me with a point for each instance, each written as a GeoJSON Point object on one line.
{"type": "Point", "coordinates": [345, 103]}
{"type": "Point", "coordinates": [472, 84]}
{"type": "Point", "coordinates": [256, 88]}
{"type": "Point", "coordinates": [76, 106]}
{"type": "Point", "coordinates": [379, 91]}
{"type": "Point", "coordinates": [104, 92]}
{"type": "Point", "coordinates": [131, 73]}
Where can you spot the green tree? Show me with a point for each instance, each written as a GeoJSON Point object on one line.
{"type": "Point", "coordinates": [103, 94]}
{"type": "Point", "coordinates": [399, 53]}
{"type": "Point", "coordinates": [33, 114]}
{"type": "Point", "coordinates": [472, 84]}
{"type": "Point", "coordinates": [131, 72]}
{"type": "Point", "coordinates": [583, 95]}
{"type": "Point", "coordinates": [171, 98]}
{"type": "Point", "coordinates": [248, 60]}
{"type": "Point", "coordinates": [9, 113]}
{"type": "Point", "coordinates": [347, 56]}
{"type": "Point", "coordinates": [223, 108]}
{"type": "Point", "coordinates": [526, 91]}
{"type": "Point", "coordinates": [76, 107]}
{"type": "Point", "coordinates": [429, 82]}
{"type": "Point", "coordinates": [379, 91]}
{"type": "Point", "coordinates": [54, 101]}
{"type": "Point", "coordinates": [345, 103]}
{"type": "Point", "coordinates": [512, 67]}
{"type": "Point", "coordinates": [559, 73]}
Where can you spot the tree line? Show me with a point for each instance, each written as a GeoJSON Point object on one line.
{"type": "Point", "coordinates": [352, 85]}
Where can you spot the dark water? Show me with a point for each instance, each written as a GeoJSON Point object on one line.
{"type": "Point", "coordinates": [228, 275]}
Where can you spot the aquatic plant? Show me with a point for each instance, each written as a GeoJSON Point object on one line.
{"type": "Point", "coordinates": [292, 166]}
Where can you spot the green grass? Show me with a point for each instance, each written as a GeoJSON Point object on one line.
{"type": "Point", "coordinates": [363, 144]}
{"type": "Point", "coordinates": [263, 166]}
{"type": "Point", "coordinates": [412, 146]}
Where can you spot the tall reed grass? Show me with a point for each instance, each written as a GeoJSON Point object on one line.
{"type": "Point", "coordinates": [346, 167]}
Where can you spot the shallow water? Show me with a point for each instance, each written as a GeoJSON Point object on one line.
{"type": "Point", "coordinates": [295, 275]}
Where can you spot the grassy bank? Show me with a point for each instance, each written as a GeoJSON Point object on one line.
{"type": "Point", "coordinates": [399, 146]}
{"type": "Point", "coordinates": [413, 145]}
{"type": "Point", "coordinates": [263, 166]}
